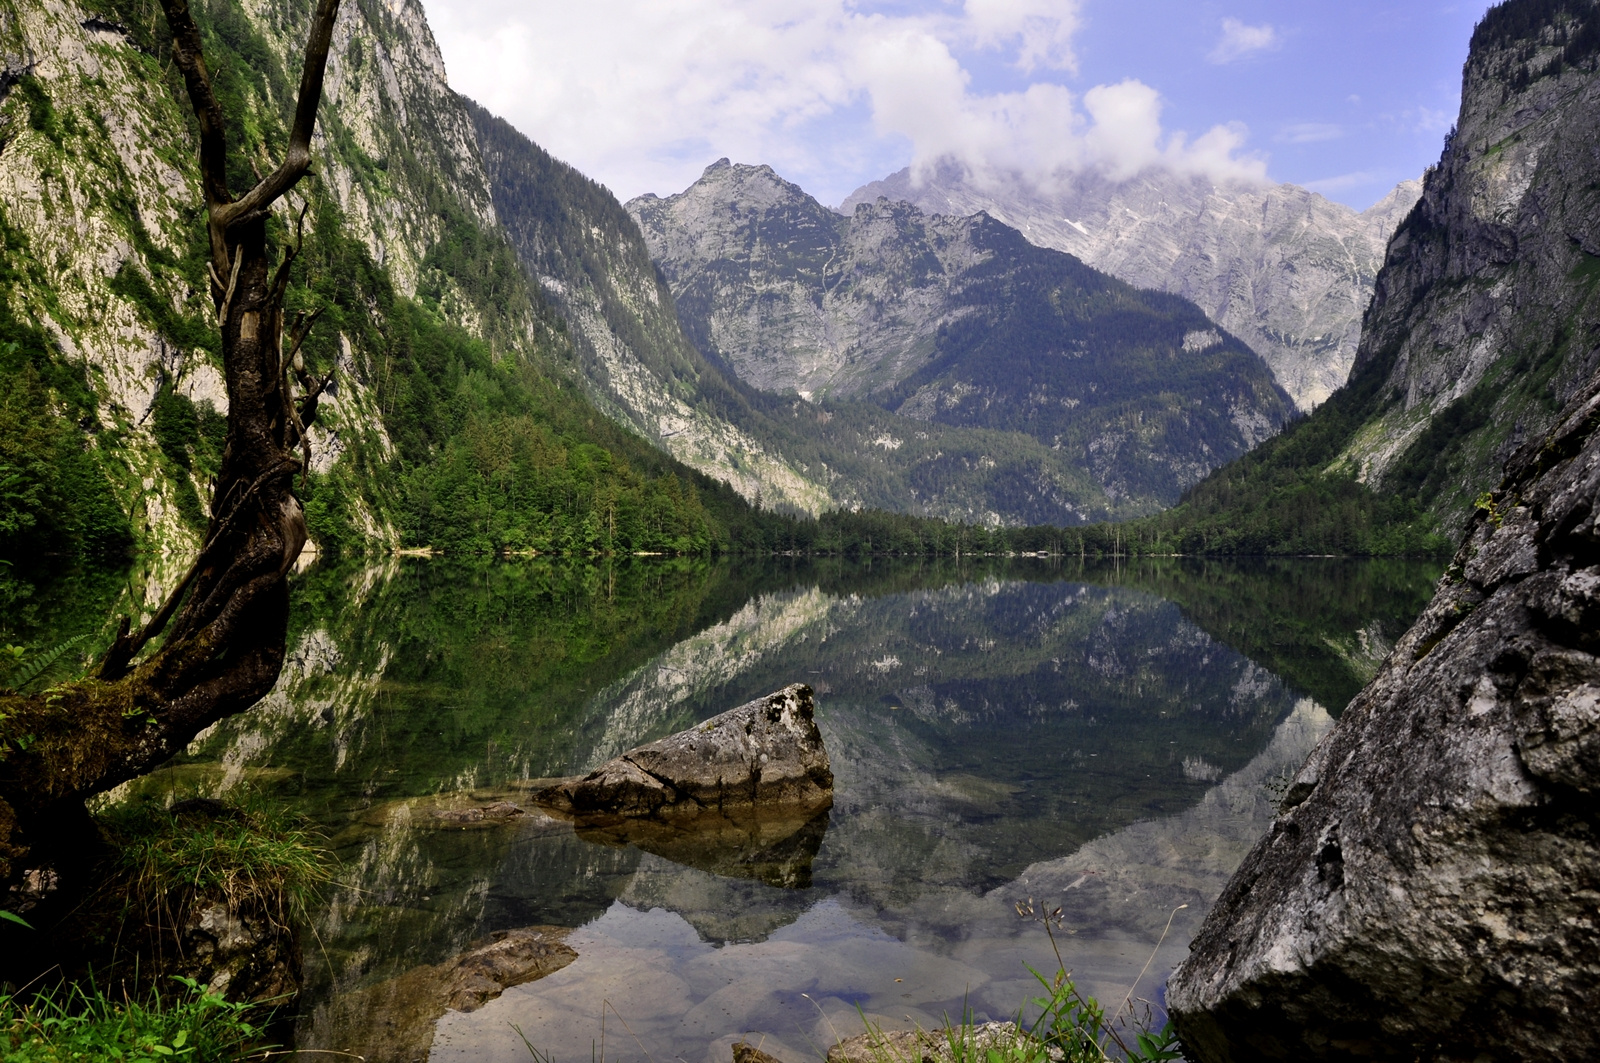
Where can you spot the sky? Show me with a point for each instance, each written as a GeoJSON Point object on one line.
{"type": "Point", "coordinates": [1346, 97]}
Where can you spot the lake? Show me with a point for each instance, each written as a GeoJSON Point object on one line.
{"type": "Point", "coordinates": [1109, 739]}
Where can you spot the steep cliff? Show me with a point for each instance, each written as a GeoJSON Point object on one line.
{"type": "Point", "coordinates": [1428, 890]}
{"type": "Point", "coordinates": [958, 322]}
{"type": "Point", "coordinates": [1484, 320]}
{"type": "Point", "coordinates": [1285, 270]}
{"type": "Point", "coordinates": [457, 416]}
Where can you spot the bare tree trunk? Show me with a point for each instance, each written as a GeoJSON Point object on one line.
{"type": "Point", "coordinates": [228, 617]}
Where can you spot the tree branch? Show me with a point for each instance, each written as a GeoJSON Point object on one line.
{"type": "Point", "coordinates": [298, 158]}
{"type": "Point", "coordinates": [127, 646]}
{"type": "Point", "coordinates": [186, 52]}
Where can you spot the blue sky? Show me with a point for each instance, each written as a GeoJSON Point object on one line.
{"type": "Point", "coordinates": [1347, 98]}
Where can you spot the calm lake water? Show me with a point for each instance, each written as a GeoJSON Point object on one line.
{"type": "Point", "coordinates": [1106, 739]}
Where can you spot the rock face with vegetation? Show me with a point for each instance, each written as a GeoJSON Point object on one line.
{"type": "Point", "coordinates": [1429, 889]}
{"type": "Point", "coordinates": [442, 352]}
{"type": "Point", "coordinates": [1285, 270]}
{"type": "Point", "coordinates": [957, 321]}
{"type": "Point", "coordinates": [1485, 319]}
{"type": "Point", "coordinates": [766, 755]}
{"type": "Point", "coordinates": [584, 252]}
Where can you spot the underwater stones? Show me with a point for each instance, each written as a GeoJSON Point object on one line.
{"type": "Point", "coordinates": [764, 755]}
{"type": "Point", "coordinates": [1431, 887]}
{"type": "Point", "coordinates": [744, 1052]}
{"type": "Point", "coordinates": [393, 1021]}
{"type": "Point", "coordinates": [500, 810]}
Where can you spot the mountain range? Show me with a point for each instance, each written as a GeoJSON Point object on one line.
{"type": "Point", "coordinates": [522, 362]}
{"type": "Point", "coordinates": [1284, 269]}
{"type": "Point", "coordinates": [957, 321]}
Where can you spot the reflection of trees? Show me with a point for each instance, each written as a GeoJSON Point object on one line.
{"type": "Point", "coordinates": [1323, 625]}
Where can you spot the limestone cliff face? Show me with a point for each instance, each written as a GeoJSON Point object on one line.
{"type": "Point", "coordinates": [390, 129]}
{"type": "Point", "coordinates": [1280, 267]}
{"type": "Point", "coordinates": [99, 185]}
{"type": "Point", "coordinates": [958, 321]}
{"type": "Point", "coordinates": [1485, 320]}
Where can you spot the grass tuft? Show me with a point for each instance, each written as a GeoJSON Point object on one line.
{"type": "Point", "coordinates": [253, 856]}
{"type": "Point", "coordinates": [74, 1023]}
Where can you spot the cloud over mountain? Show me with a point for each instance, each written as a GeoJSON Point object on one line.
{"type": "Point", "coordinates": [644, 93]}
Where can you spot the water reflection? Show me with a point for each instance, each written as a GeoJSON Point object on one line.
{"type": "Point", "coordinates": [995, 733]}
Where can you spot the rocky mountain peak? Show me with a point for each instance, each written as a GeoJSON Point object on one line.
{"type": "Point", "coordinates": [954, 319]}
{"type": "Point", "coordinates": [1281, 267]}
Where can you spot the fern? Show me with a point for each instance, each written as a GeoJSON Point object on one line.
{"type": "Point", "coordinates": [26, 672]}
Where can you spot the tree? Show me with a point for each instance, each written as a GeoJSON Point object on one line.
{"type": "Point", "coordinates": [226, 621]}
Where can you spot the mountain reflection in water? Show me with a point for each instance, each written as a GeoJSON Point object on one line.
{"type": "Point", "coordinates": [1091, 737]}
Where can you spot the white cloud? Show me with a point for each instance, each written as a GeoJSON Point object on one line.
{"type": "Point", "coordinates": [1309, 133]}
{"type": "Point", "coordinates": [641, 94]}
{"type": "Point", "coordinates": [1239, 40]}
{"type": "Point", "coordinates": [1040, 29]}
{"type": "Point", "coordinates": [1343, 182]}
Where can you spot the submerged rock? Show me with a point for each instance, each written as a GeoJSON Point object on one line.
{"type": "Point", "coordinates": [500, 810]}
{"type": "Point", "coordinates": [776, 848]}
{"type": "Point", "coordinates": [393, 1021]}
{"type": "Point", "coordinates": [744, 1052]}
{"type": "Point", "coordinates": [1431, 888]}
{"type": "Point", "coordinates": [764, 754]}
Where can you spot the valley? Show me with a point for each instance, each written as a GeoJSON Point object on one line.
{"type": "Point", "coordinates": [1149, 542]}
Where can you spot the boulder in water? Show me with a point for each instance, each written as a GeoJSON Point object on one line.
{"type": "Point", "coordinates": [766, 754]}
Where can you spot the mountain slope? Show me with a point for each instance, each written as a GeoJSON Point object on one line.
{"type": "Point", "coordinates": [578, 245]}
{"type": "Point", "coordinates": [587, 255]}
{"type": "Point", "coordinates": [960, 322]}
{"type": "Point", "coordinates": [1282, 268]}
{"type": "Point", "coordinates": [454, 418]}
{"type": "Point", "coordinates": [1485, 317]}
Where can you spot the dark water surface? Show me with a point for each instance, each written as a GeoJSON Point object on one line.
{"type": "Point", "coordinates": [1106, 739]}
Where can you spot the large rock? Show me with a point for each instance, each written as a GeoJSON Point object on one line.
{"type": "Point", "coordinates": [766, 754]}
{"type": "Point", "coordinates": [1431, 889]}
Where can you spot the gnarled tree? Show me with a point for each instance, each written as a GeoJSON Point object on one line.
{"type": "Point", "coordinates": [219, 637]}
